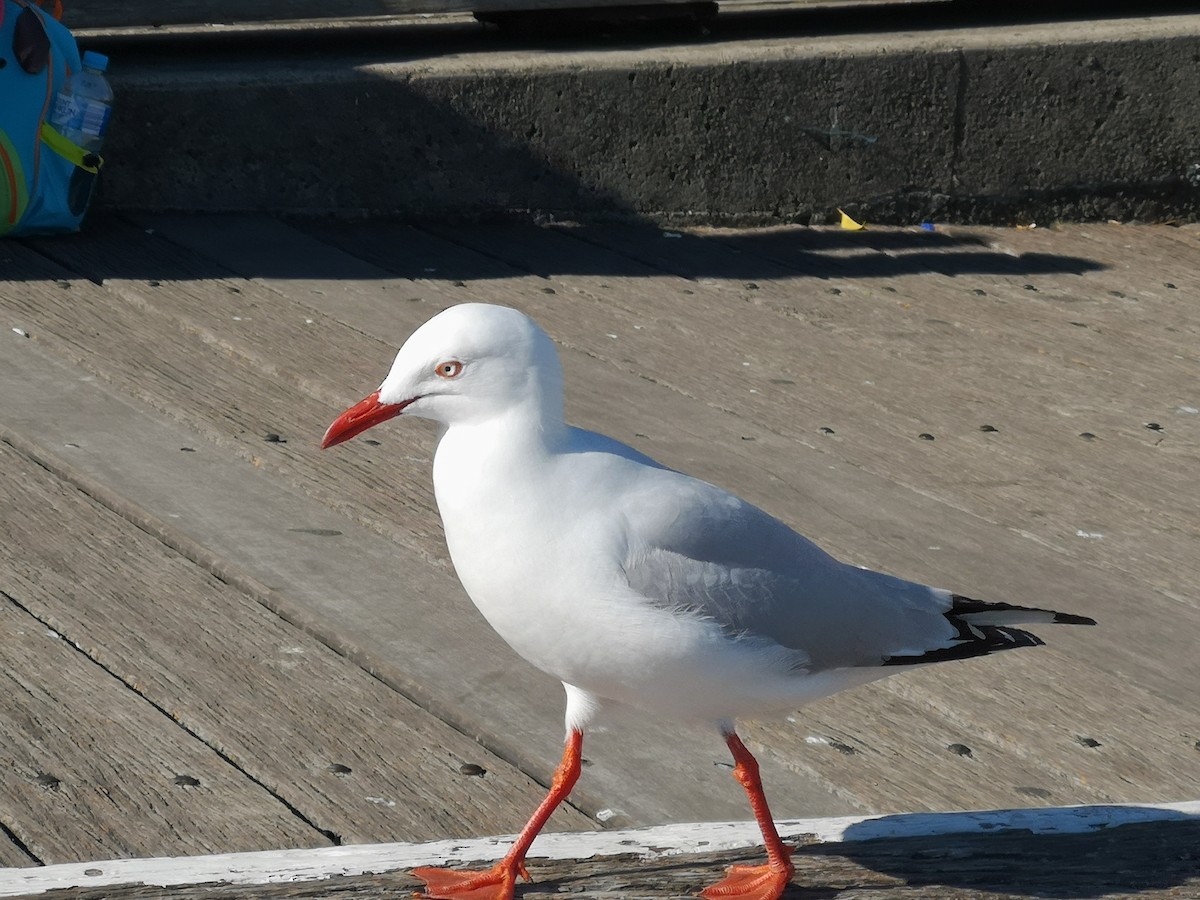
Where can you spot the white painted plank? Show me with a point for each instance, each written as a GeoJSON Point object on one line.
{"type": "Point", "coordinates": [666, 840]}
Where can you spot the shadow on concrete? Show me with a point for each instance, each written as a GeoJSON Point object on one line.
{"type": "Point", "coordinates": [1126, 859]}
{"type": "Point", "coordinates": [451, 121]}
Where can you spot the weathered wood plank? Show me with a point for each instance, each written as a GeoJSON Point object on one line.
{"type": "Point", "coordinates": [250, 256]}
{"type": "Point", "coordinates": [894, 452]}
{"type": "Point", "coordinates": [94, 769]}
{"type": "Point", "coordinates": [1020, 371]}
{"type": "Point", "coordinates": [1023, 727]}
{"type": "Point", "coordinates": [984, 784]}
{"type": "Point", "coordinates": [356, 760]}
{"type": "Point", "coordinates": [964, 469]}
{"type": "Point", "coordinates": [1150, 860]}
{"type": "Point", "coordinates": [859, 515]}
{"type": "Point", "coordinates": [271, 866]}
{"type": "Point", "coordinates": [644, 768]}
{"type": "Point", "coordinates": [11, 853]}
{"type": "Point", "coordinates": [1081, 361]}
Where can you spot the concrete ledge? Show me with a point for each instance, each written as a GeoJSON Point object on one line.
{"type": "Point", "coordinates": [987, 124]}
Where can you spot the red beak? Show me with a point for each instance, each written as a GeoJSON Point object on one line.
{"type": "Point", "coordinates": [364, 414]}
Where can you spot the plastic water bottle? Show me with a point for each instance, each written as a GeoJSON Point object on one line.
{"type": "Point", "coordinates": [84, 103]}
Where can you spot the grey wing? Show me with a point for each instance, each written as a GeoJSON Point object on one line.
{"type": "Point", "coordinates": [703, 550]}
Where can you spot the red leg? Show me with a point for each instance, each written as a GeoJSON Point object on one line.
{"type": "Point", "coordinates": [765, 882]}
{"type": "Point", "coordinates": [497, 883]}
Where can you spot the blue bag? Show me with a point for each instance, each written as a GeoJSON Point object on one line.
{"type": "Point", "coordinates": [46, 180]}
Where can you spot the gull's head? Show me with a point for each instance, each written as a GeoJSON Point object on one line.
{"type": "Point", "coordinates": [467, 364]}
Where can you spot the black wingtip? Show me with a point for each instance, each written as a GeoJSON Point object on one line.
{"type": "Point", "coordinates": [1069, 619]}
{"type": "Point", "coordinates": [977, 640]}
{"type": "Point", "coordinates": [965, 606]}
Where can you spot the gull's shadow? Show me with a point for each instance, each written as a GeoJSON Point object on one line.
{"type": "Point", "coordinates": [1159, 852]}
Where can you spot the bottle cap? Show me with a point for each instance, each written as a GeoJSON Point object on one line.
{"type": "Point", "coordinates": [94, 60]}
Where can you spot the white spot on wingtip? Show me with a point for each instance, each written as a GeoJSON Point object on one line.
{"type": "Point", "coordinates": [1090, 535]}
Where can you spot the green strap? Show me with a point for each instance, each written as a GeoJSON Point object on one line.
{"type": "Point", "coordinates": [70, 151]}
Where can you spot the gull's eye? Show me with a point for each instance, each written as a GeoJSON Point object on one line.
{"type": "Point", "coordinates": [451, 368]}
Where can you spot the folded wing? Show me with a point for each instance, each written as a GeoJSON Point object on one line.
{"type": "Point", "coordinates": [701, 549]}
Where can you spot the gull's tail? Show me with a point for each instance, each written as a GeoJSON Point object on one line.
{"type": "Point", "coordinates": [987, 628]}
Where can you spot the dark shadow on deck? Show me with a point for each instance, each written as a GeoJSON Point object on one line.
{"type": "Point", "coordinates": [1125, 859]}
{"type": "Point", "coordinates": [366, 250]}
{"type": "Point", "coordinates": [471, 252]}
{"type": "Point", "coordinates": [1158, 856]}
{"type": "Point", "coordinates": [1154, 857]}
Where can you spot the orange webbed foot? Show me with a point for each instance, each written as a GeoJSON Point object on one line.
{"type": "Point", "coordinates": [765, 882]}
{"type": "Point", "coordinates": [496, 883]}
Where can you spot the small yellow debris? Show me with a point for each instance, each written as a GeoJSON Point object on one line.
{"type": "Point", "coordinates": [849, 224]}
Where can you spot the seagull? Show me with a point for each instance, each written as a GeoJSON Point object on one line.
{"type": "Point", "coordinates": [636, 584]}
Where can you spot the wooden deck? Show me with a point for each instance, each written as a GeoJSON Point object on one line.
{"type": "Point", "coordinates": [217, 638]}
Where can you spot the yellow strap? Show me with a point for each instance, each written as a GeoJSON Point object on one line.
{"type": "Point", "coordinates": [70, 151]}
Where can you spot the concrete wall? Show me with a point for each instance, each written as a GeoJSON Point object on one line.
{"type": "Point", "coordinates": [1036, 122]}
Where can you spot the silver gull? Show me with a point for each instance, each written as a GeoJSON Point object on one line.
{"type": "Point", "coordinates": [637, 584]}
